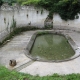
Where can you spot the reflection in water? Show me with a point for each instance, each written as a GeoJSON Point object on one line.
{"type": "Point", "coordinates": [49, 39]}
{"type": "Point", "coordinates": [51, 47]}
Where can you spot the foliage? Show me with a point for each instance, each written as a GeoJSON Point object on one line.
{"type": "Point", "coordinates": [6, 74]}
{"type": "Point", "coordinates": [48, 4]}
{"type": "Point", "coordinates": [1, 2]}
{"type": "Point", "coordinates": [48, 27]}
{"type": "Point", "coordinates": [9, 1]}
{"type": "Point", "coordinates": [67, 9]}
{"type": "Point", "coordinates": [24, 2]}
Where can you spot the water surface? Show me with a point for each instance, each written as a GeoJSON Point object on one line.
{"type": "Point", "coordinates": [51, 47]}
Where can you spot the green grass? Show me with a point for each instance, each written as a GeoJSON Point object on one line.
{"type": "Point", "coordinates": [6, 74]}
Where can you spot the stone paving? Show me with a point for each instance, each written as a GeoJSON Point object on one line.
{"type": "Point", "coordinates": [15, 49]}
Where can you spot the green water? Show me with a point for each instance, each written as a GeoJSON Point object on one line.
{"type": "Point", "coordinates": [51, 47]}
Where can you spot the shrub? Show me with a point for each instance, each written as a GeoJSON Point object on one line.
{"type": "Point", "coordinates": [1, 2]}
{"type": "Point", "coordinates": [67, 9]}
{"type": "Point", "coordinates": [9, 1]}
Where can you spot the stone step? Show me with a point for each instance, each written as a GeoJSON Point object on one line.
{"type": "Point", "coordinates": [23, 66]}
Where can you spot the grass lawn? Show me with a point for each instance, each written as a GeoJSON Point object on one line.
{"type": "Point", "coordinates": [6, 74]}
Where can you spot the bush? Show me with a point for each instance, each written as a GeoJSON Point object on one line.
{"type": "Point", "coordinates": [9, 1]}
{"type": "Point", "coordinates": [27, 2]}
{"type": "Point", "coordinates": [1, 2]}
{"type": "Point", "coordinates": [67, 9]}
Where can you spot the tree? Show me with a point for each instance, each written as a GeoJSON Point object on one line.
{"type": "Point", "coordinates": [1, 2]}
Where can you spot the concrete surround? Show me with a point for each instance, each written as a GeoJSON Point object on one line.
{"type": "Point", "coordinates": [16, 49]}
{"type": "Point", "coordinates": [71, 42]}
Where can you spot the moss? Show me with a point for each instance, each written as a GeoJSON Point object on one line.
{"type": "Point", "coordinates": [5, 20]}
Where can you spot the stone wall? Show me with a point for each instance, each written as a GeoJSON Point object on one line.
{"type": "Point", "coordinates": [31, 16]}
{"type": "Point", "coordinates": [23, 15]}
{"type": "Point", "coordinates": [58, 23]}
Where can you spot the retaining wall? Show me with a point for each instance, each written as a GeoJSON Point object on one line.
{"type": "Point", "coordinates": [23, 15]}
{"type": "Point", "coordinates": [58, 23]}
